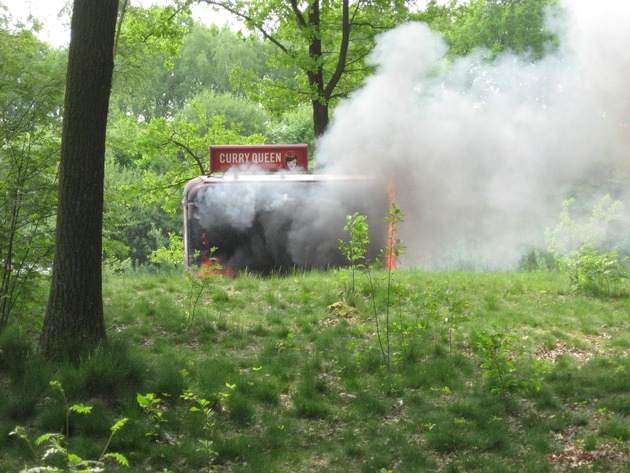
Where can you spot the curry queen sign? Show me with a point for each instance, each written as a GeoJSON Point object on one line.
{"type": "Point", "coordinates": [258, 158]}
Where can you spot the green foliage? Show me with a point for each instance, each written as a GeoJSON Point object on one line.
{"type": "Point", "coordinates": [307, 385]}
{"type": "Point", "coordinates": [499, 354]}
{"type": "Point", "coordinates": [30, 125]}
{"type": "Point", "coordinates": [354, 250]}
{"type": "Point", "coordinates": [321, 51]}
{"type": "Point", "coordinates": [175, 151]}
{"type": "Point", "coordinates": [596, 272]}
{"type": "Point", "coordinates": [498, 26]}
{"type": "Point", "coordinates": [200, 282]}
{"type": "Point", "coordinates": [579, 247]}
{"type": "Point", "coordinates": [113, 370]}
{"type": "Point", "coordinates": [27, 376]}
{"type": "Point", "coordinates": [171, 255]}
{"type": "Point", "coordinates": [146, 44]}
{"type": "Point", "coordinates": [58, 444]}
{"type": "Point", "coordinates": [389, 257]}
{"type": "Point", "coordinates": [495, 349]}
{"type": "Point", "coordinates": [152, 407]}
{"type": "Point", "coordinates": [294, 126]}
{"type": "Point", "coordinates": [203, 408]}
{"type": "Point", "coordinates": [537, 260]}
{"type": "Point", "coordinates": [241, 115]}
{"type": "Point", "coordinates": [573, 231]}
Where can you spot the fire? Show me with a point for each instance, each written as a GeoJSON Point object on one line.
{"type": "Point", "coordinates": [213, 267]}
{"type": "Point", "coordinates": [390, 257]}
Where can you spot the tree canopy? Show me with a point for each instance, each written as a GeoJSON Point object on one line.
{"type": "Point", "coordinates": [321, 46]}
{"type": "Point", "coordinates": [496, 25]}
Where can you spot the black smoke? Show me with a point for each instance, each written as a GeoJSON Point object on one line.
{"type": "Point", "coordinates": [279, 225]}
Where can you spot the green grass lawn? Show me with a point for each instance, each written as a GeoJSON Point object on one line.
{"type": "Point", "coordinates": [445, 372]}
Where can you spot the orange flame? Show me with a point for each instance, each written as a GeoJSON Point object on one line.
{"type": "Point", "coordinates": [390, 257]}
{"type": "Point", "coordinates": [213, 267]}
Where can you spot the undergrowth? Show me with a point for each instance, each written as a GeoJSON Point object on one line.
{"type": "Point", "coordinates": [487, 373]}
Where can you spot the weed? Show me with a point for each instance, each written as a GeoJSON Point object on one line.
{"type": "Point", "coordinates": [199, 283]}
{"type": "Point", "coordinates": [498, 365]}
{"type": "Point", "coordinates": [537, 260]}
{"type": "Point", "coordinates": [354, 250]}
{"type": "Point", "coordinates": [152, 407]}
{"type": "Point", "coordinates": [59, 444]}
{"type": "Point", "coordinates": [111, 371]}
{"type": "Point", "coordinates": [596, 272]}
{"type": "Point", "coordinates": [500, 368]}
{"type": "Point", "coordinates": [580, 248]}
{"type": "Point", "coordinates": [203, 408]}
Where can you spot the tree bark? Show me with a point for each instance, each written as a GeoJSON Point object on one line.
{"type": "Point", "coordinates": [320, 118]}
{"type": "Point", "coordinates": [74, 323]}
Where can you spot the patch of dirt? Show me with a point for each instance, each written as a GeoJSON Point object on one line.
{"type": "Point", "coordinates": [574, 456]}
{"type": "Point", "coordinates": [560, 349]}
{"type": "Point", "coordinates": [339, 311]}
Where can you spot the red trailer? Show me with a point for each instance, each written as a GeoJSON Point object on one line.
{"type": "Point", "coordinates": [260, 210]}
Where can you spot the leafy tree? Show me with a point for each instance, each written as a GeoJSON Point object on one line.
{"type": "Point", "coordinates": [294, 126]}
{"type": "Point", "coordinates": [175, 151]}
{"type": "Point", "coordinates": [321, 45]}
{"type": "Point", "coordinates": [209, 55]}
{"type": "Point", "coordinates": [240, 114]}
{"type": "Point", "coordinates": [74, 321]}
{"type": "Point", "coordinates": [159, 81]}
{"type": "Point", "coordinates": [148, 41]}
{"type": "Point", "coordinates": [31, 87]}
{"type": "Point", "coordinates": [498, 25]}
{"type": "Point", "coordinates": [132, 229]}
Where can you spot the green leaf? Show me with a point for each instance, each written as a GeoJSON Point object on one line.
{"type": "Point", "coordinates": [119, 425]}
{"type": "Point", "coordinates": [121, 459]}
{"type": "Point", "coordinates": [80, 408]}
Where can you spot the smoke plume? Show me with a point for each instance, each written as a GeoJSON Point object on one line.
{"type": "Point", "coordinates": [483, 154]}
{"type": "Point", "coordinates": [278, 225]}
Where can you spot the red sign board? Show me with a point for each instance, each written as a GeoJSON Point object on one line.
{"type": "Point", "coordinates": [258, 158]}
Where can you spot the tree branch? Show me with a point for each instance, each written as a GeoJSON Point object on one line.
{"type": "Point", "coordinates": [190, 152]}
{"type": "Point", "coordinates": [346, 25]}
{"type": "Point", "coordinates": [248, 19]}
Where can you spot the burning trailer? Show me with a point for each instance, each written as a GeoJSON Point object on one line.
{"type": "Point", "coordinates": [260, 210]}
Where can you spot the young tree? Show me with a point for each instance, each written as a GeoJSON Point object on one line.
{"type": "Point", "coordinates": [74, 321]}
{"type": "Point", "coordinates": [324, 43]}
{"type": "Point", "coordinates": [31, 88]}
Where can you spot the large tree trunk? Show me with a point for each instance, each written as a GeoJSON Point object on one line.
{"type": "Point", "coordinates": [74, 321]}
{"type": "Point", "coordinates": [320, 118]}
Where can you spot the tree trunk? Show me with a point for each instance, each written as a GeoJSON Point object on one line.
{"type": "Point", "coordinates": [320, 118]}
{"type": "Point", "coordinates": [74, 322]}
{"type": "Point", "coordinates": [316, 76]}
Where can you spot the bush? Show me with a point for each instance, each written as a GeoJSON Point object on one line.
{"type": "Point", "coordinates": [596, 272]}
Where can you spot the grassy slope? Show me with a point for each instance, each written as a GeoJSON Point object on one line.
{"type": "Point", "coordinates": [298, 383]}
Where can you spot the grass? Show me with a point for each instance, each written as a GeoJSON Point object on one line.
{"type": "Point", "coordinates": [493, 372]}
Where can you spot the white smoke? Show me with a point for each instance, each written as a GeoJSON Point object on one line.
{"type": "Point", "coordinates": [482, 155]}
